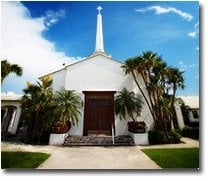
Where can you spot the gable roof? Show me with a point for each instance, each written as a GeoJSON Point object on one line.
{"type": "Point", "coordinates": [84, 60]}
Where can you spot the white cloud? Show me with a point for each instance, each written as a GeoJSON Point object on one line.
{"type": "Point", "coordinates": [23, 43]}
{"type": "Point", "coordinates": [195, 32]}
{"type": "Point", "coordinates": [197, 48]}
{"type": "Point", "coordinates": [196, 25]}
{"type": "Point", "coordinates": [163, 10]}
{"type": "Point", "coordinates": [52, 17]}
{"type": "Point", "coordinates": [183, 66]}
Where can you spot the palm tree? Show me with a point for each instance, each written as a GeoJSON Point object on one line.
{"type": "Point", "coordinates": [37, 107]}
{"type": "Point", "coordinates": [175, 80]}
{"type": "Point", "coordinates": [158, 78]}
{"type": "Point", "coordinates": [166, 113]}
{"type": "Point", "coordinates": [150, 67]}
{"type": "Point", "coordinates": [7, 68]}
{"type": "Point", "coordinates": [127, 103]}
{"type": "Point", "coordinates": [135, 66]}
{"type": "Point", "coordinates": [38, 95]}
{"type": "Point", "coordinates": [68, 104]}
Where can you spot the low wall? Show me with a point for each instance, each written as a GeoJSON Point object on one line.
{"type": "Point", "coordinates": [57, 139]}
{"type": "Point", "coordinates": [140, 138]}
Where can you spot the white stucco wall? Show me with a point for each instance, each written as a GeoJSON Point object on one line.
{"type": "Point", "coordinates": [78, 128]}
{"type": "Point", "coordinates": [179, 115]}
{"type": "Point", "coordinates": [58, 80]}
{"type": "Point", "coordinates": [98, 73]}
{"type": "Point", "coordinates": [145, 114]}
{"type": "Point", "coordinates": [121, 127]}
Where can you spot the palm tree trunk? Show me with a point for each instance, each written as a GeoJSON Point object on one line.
{"type": "Point", "coordinates": [35, 131]}
{"type": "Point", "coordinates": [149, 93]}
{"type": "Point", "coordinates": [172, 102]}
{"type": "Point", "coordinates": [143, 95]}
{"type": "Point", "coordinates": [173, 96]}
{"type": "Point", "coordinates": [132, 117]}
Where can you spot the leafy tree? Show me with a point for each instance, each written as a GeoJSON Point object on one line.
{"type": "Point", "coordinates": [7, 68]}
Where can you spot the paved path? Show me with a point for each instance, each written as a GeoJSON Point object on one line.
{"type": "Point", "coordinates": [90, 157]}
{"type": "Point", "coordinates": [99, 158]}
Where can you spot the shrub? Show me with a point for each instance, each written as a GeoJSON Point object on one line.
{"type": "Point", "coordinates": [157, 137]}
{"type": "Point", "coordinates": [191, 132]}
{"type": "Point", "coordinates": [137, 126]}
{"type": "Point", "coordinates": [41, 138]}
{"type": "Point", "coordinates": [173, 137]}
{"type": "Point", "coordinates": [179, 131]}
{"type": "Point", "coordinates": [160, 137]}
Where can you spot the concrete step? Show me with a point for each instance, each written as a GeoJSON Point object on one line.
{"type": "Point", "coordinates": [98, 141]}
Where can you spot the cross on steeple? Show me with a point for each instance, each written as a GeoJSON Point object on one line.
{"type": "Point", "coordinates": [99, 8]}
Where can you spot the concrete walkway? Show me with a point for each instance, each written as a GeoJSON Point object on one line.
{"type": "Point", "coordinates": [90, 157]}
{"type": "Point", "coordinates": [99, 158]}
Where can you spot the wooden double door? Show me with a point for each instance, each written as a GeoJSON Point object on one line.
{"type": "Point", "coordinates": [98, 112]}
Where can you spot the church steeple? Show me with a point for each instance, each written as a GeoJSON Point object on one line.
{"type": "Point", "coordinates": [99, 46]}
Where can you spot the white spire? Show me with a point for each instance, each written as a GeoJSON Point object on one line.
{"type": "Point", "coordinates": [99, 34]}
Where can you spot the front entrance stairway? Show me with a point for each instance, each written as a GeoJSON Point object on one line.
{"type": "Point", "coordinates": [98, 141]}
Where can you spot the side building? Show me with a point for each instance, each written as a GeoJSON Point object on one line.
{"type": "Point", "coordinates": [10, 113]}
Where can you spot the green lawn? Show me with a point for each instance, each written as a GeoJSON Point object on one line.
{"type": "Point", "coordinates": [174, 158]}
{"type": "Point", "coordinates": [22, 159]}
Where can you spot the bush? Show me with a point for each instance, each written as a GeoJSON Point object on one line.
{"type": "Point", "coordinates": [173, 137]}
{"type": "Point", "coordinates": [157, 137]}
{"type": "Point", "coordinates": [40, 138]}
{"type": "Point", "coordinates": [137, 127]}
{"type": "Point", "coordinates": [179, 131]}
{"type": "Point", "coordinates": [160, 137]}
{"type": "Point", "coordinates": [44, 137]}
{"type": "Point", "coordinates": [191, 132]}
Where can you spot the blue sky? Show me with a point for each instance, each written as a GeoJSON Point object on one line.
{"type": "Point", "coordinates": [51, 33]}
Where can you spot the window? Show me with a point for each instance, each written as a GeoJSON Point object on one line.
{"type": "Point", "coordinates": [195, 114]}
{"type": "Point", "coordinates": [104, 104]}
{"type": "Point", "coordinates": [93, 104]}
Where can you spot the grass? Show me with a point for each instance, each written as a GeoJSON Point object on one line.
{"type": "Point", "coordinates": [174, 158]}
{"type": "Point", "coordinates": [22, 159]}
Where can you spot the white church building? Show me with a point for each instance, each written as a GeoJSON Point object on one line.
{"type": "Point", "coordinates": [97, 79]}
